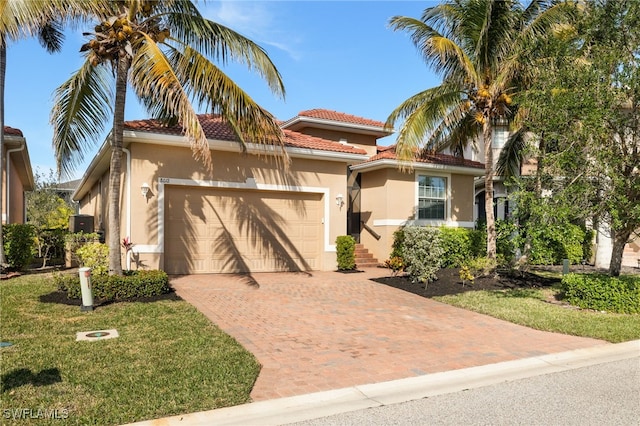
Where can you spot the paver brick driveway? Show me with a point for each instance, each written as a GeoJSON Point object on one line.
{"type": "Point", "coordinates": [333, 330]}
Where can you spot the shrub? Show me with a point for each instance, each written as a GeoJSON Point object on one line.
{"type": "Point", "coordinates": [396, 264]}
{"type": "Point", "coordinates": [553, 243]}
{"type": "Point", "coordinates": [18, 242]}
{"type": "Point", "coordinates": [506, 244]}
{"type": "Point", "coordinates": [398, 242]}
{"type": "Point", "coordinates": [602, 292]}
{"type": "Point", "coordinates": [422, 252]}
{"type": "Point", "coordinates": [94, 256]}
{"type": "Point", "coordinates": [132, 285]}
{"type": "Point", "coordinates": [460, 244]}
{"type": "Point", "coordinates": [480, 266]}
{"type": "Point", "coordinates": [346, 252]}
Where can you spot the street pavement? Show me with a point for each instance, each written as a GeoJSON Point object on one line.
{"type": "Point", "coordinates": [599, 385]}
{"type": "Point", "coordinates": [604, 394]}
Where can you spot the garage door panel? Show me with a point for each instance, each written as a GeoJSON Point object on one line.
{"type": "Point", "coordinates": [214, 230]}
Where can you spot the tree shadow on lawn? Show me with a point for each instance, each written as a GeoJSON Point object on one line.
{"type": "Point", "coordinates": [24, 376]}
{"type": "Point", "coordinates": [449, 282]}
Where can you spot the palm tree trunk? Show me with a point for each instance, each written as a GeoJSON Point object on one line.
{"type": "Point", "coordinates": [620, 239]}
{"type": "Point", "coordinates": [489, 173]}
{"type": "Point", "coordinates": [115, 256]}
{"type": "Point", "coordinates": [3, 71]}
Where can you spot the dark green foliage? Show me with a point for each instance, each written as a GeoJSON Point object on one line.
{"type": "Point", "coordinates": [18, 245]}
{"type": "Point", "coordinates": [133, 284]}
{"type": "Point", "coordinates": [555, 242]}
{"type": "Point", "coordinates": [602, 292]}
{"type": "Point", "coordinates": [460, 244]}
{"type": "Point", "coordinates": [346, 252]}
{"type": "Point", "coordinates": [506, 243]}
{"type": "Point", "coordinates": [398, 242]}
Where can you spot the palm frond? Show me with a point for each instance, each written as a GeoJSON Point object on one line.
{"type": "Point", "coordinates": [50, 36]}
{"type": "Point", "coordinates": [213, 90]}
{"type": "Point", "coordinates": [222, 44]}
{"type": "Point", "coordinates": [154, 80]}
{"type": "Point", "coordinates": [82, 107]}
{"type": "Point", "coordinates": [512, 154]}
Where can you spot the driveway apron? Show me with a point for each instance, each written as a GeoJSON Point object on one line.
{"type": "Point", "coordinates": [330, 330]}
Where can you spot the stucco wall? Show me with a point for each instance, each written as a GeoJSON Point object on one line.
{"type": "Point", "coordinates": [150, 163]}
{"type": "Point", "coordinates": [16, 196]}
{"type": "Point", "coordinates": [389, 200]}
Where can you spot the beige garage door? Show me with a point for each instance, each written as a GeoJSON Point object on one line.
{"type": "Point", "coordinates": [214, 231]}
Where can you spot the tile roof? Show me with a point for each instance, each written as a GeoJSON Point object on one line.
{"type": "Point", "coordinates": [215, 128]}
{"type": "Point", "coordinates": [13, 132]}
{"type": "Point", "coordinates": [389, 153]}
{"type": "Point", "coordinates": [325, 114]}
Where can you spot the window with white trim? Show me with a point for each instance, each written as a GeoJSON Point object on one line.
{"type": "Point", "coordinates": [432, 197]}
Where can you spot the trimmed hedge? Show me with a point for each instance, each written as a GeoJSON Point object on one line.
{"type": "Point", "coordinates": [602, 292]}
{"type": "Point", "coordinates": [461, 244]}
{"type": "Point", "coordinates": [133, 284]}
{"type": "Point", "coordinates": [18, 244]}
{"type": "Point", "coordinates": [346, 252]}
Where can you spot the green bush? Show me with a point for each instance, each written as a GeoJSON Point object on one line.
{"type": "Point", "coordinates": [506, 243]}
{"type": "Point", "coordinates": [422, 253]}
{"type": "Point", "coordinates": [398, 242]}
{"type": "Point", "coordinates": [94, 256]}
{"type": "Point", "coordinates": [346, 252]}
{"type": "Point", "coordinates": [18, 242]}
{"type": "Point", "coordinates": [460, 244]}
{"type": "Point", "coordinates": [132, 285]}
{"type": "Point", "coordinates": [552, 243]}
{"type": "Point", "coordinates": [602, 292]}
{"type": "Point", "coordinates": [480, 266]}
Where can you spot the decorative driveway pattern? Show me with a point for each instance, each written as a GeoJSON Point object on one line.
{"type": "Point", "coordinates": [332, 330]}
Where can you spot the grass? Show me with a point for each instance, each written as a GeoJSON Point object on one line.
{"type": "Point", "coordinates": [530, 307]}
{"type": "Point", "coordinates": [168, 360]}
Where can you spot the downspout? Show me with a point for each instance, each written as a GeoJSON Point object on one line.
{"type": "Point", "coordinates": [128, 189]}
{"type": "Point", "coordinates": [8, 171]}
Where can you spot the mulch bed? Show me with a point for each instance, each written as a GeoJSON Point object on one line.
{"type": "Point", "coordinates": [449, 282]}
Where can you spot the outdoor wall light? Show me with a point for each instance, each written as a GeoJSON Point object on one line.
{"type": "Point", "coordinates": [144, 189]}
{"type": "Point", "coordinates": [340, 200]}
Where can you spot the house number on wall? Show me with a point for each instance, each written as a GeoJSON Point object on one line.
{"type": "Point", "coordinates": [164, 180]}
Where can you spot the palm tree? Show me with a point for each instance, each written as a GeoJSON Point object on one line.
{"type": "Point", "coordinates": [163, 50]}
{"type": "Point", "coordinates": [479, 47]}
{"type": "Point", "coordinates": [19, 19]}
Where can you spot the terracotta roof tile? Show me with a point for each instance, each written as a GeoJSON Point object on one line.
{"type": "Point", "coordinates": [13, 132]}
{"type": "Point", "coordinates": [215, 128]}
{"type": "Point", "coordinates": [326, 114]}
{"type": "Point", "coordinates": [389, 153]}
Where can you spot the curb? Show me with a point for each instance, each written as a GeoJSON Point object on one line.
{"type": "Point", "coordinates": [322, 404]}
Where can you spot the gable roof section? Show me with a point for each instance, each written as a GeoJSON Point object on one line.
{"type": "Point", "coordinates": [333, 120]}
{"type": "Point", "coordinates": [387, 157]}
{"type": "Point", "coordinates": [16, 144]}
{"type": "Point", "coordinates": [216, 129]}
{"type": "Point", "coordinates": [13, 132]}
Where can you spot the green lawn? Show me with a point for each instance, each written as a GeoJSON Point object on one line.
{"type": "Point", "coordinates": [531, 308]}
{"type": "Point", "coordinates": [168, 360]}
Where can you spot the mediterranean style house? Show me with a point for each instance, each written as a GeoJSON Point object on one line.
{"type": "Point", "coordinates": [253, 214]}
{"type": "Point", "coordinates": [17, 176]}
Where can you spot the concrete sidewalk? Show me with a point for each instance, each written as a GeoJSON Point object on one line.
{"type": "Point", "coordinates": [321, 404]}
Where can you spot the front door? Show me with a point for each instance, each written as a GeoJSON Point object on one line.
{"type": "Point", "coordinates": [353, 204]}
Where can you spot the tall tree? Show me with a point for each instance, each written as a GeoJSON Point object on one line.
{"type": "Point", "coordinates": [163, 50]}
{"type": "Point", "coordinates": [20, 19]}
{"type": "Point", "coordinates": [587, 104]}
{"type": "Point", "coordinates": [479, 48]}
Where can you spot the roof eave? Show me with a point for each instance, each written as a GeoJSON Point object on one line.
{"type": "Point", "coordinates": [415, 165]}
{"type": "Point", "coordinates": [300, 122]}
{"type": "Point", "coordinates": [100, 163]}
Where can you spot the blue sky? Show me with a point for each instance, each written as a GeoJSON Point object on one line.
{"type": "Point", "coordinates": [337, 55]}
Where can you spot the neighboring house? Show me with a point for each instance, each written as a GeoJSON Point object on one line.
{"type": "Point", "coordinates": [17, 176]}
{"type": "Point", "coordinates": [252, 214]}
{"type": "Point", "coordinates": [65, 190]}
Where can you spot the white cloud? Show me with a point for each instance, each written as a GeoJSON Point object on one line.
{"type": "Point", "coordinates": [262, 22]}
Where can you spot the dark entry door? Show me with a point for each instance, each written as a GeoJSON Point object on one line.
{"type": "Point", "coordinates": [353, 206]}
